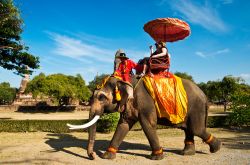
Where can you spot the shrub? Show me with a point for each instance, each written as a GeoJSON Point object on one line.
{"type": "Point", "coordinates": [217, 121]}
{"type": "Point", "coordinates": [240, 107]}
{"type": "Point", "coordinates": [7, 94]}
{"type": "Point", "coordinates": [108, 122]}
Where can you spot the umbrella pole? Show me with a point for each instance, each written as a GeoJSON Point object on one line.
{"type": "Point", "coordinates": [151, 49]}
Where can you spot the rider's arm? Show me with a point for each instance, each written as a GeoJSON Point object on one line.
{"type": "Point", "coordinates": [163, 53]}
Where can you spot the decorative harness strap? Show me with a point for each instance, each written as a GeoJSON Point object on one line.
{"type": "Point", "coordinates": [189, 142]}
{"type": "Point", "coordinates": [209, 139]}
{"type": "Point", "coordinates": [104, 81]}
{"type": "Point", "coordinates": [157, 152]}
{"type": "Point", "coordinates": [112, 150]}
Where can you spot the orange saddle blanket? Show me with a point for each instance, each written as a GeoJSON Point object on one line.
{"type": "Point", "coordinates": [169, 95]}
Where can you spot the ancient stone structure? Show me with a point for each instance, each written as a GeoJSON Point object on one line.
{"type": "Point", "coordinates": [21, 97]}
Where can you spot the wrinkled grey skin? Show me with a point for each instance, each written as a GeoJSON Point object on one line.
{"type": "Point", "coordinates": [142, 109]}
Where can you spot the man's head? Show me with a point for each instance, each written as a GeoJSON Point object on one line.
{"type": "Point", "coordinates": [118, 52]}
{"type": "Point", "coordinates": [121, 54]}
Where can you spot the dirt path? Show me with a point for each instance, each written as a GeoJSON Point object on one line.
{"type": "Point", "coordinates": [51, 148]}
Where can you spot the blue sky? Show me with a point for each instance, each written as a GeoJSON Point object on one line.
{"type": "Point", "coordinates": [82, 36]}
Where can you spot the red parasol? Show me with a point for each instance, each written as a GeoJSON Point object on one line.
{"type": "Point", "coordinates": [167, 29]}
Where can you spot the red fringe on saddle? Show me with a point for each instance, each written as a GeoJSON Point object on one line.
{"type": "Point", "coordinates": [159, 64]}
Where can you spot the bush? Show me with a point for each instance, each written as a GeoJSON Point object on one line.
{"type": "Point", "coordinates": [108, 122]}
{"type": "Point", "coordinates": [7, 94]}
{"type": "Point", "coordinates": [240, 107]}
{"type": "Point", "coordinates": [55, 126]}
{"type": "Point", "coordinates": [217, 121]}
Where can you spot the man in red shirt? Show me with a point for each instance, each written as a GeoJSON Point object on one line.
{"type": "Point", "coordinates": [124, 72]}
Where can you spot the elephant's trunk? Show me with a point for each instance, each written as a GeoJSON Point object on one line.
{"type": "Point", "coordinates": [92, 132]}
{"type": "Point", "coordinates": [91, 141]}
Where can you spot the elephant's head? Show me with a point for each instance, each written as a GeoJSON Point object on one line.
{"type": "Point", "coordinates": [103, 99]}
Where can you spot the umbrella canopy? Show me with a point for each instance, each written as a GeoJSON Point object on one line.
{"type": "Point", "coordinates": [167, 29]}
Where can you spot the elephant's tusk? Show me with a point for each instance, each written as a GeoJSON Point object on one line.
{"type": "Point", "coordinates": [93, 121]}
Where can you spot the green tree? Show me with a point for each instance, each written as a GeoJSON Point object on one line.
{"type": "Point", "coordinates": [13, 53]}
{"type": "Point", "coordinates": [61, 88]}
{"type": "Point", "coordinates": [243, 89]}
{"type": "Point", "coordinates": [240, 107]}
{"type": "Point", "coordinates": [7, 94]}
{"type": "Point", "coordinates": [97, 80]}
{"type": "Point", "coordinates": [214, 91]}
{"type": "Point", "coordinates": [184, 75]}
{"type": "Point", "coordinates": [203, 86]}
{"type": "Point", "coordinates": [228, 86]}
{"type": "Point", "coordinates": [221, 91]}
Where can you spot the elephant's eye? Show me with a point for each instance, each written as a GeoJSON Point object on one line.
{"type": "Point", "coordinates": [102, 97]}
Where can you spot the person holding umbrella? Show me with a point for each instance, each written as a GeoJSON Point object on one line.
{"type": "Point", "coordinates": [163, 30]}
{"type": "Point", "coordinates": [158, 60]}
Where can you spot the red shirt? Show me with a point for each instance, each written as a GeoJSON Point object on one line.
{"type": "Point", "coordinates": [124, 69]}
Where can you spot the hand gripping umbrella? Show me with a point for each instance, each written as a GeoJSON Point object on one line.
{"type": "Point", "coordinates": [167, 29]}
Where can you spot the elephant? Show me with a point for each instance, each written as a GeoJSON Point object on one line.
{"type": "Point", "coordinates": [141, 108]}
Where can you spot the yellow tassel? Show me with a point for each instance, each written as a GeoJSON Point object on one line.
{"type": "Point", "coordinates": [117, 94]}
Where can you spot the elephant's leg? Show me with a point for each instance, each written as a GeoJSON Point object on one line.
{"type": "Point", "coordinates": [189, 148]}
{"type": "Point", "coordinates": [149, 124]}
{"type": "Point", "coordinates": [121, 131]}
{"type": "Point", "coordinates": [212, 141]}
{"type": "Point", "coordinates": [196, 123]}
{"type": "Point", "coordinates": [200, 131]}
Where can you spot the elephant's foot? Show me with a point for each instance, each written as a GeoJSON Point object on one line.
{"type": "Point", "coordinates": [189, 148]}
{"type": "Point", "coordinates": [214, 144]}
{"type": "Point", "coordinates": [157, 155]}
{"type": "Point", "coordinates": [92, 155]}
{"type": "Point", "coordinates": [110, 153]}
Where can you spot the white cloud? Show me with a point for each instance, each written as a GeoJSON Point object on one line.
{"type": "Point", "coordinates": [218, 52]}
{"type": "Point", "coordinates": [80, 50]}
{"type": "Point", "coordinates": [221, 51]}
{"type": "Point", "coordinates": [245, 76]}
{"type": "Point", "coordinates": [87, 48]}
{"type": "Point", "coordinates": [96, 54]}
{"type": "Point", "coordinates": [203, 15]}
{"type": "Point", "coordinates": [201, 54]}
{"type": "Point", "coordinates": [226, 2]}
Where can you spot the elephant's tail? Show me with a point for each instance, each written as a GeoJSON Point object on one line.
{"type": "Point", "coordinates": [206, 108]}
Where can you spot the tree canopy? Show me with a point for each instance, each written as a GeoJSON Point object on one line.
{"type": "Point", "coordinates": [7, 94]}
{"type": "Point", "coordinates": [13, 53]}
{"type": "Point", "coordinates": [240, 107]}
{"type": "Point", "coordinates": [221, 91]}
{"type": "Point", "coordinates": [61, 88]}
{"type": "Point", "coordinates": [184, 75]}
